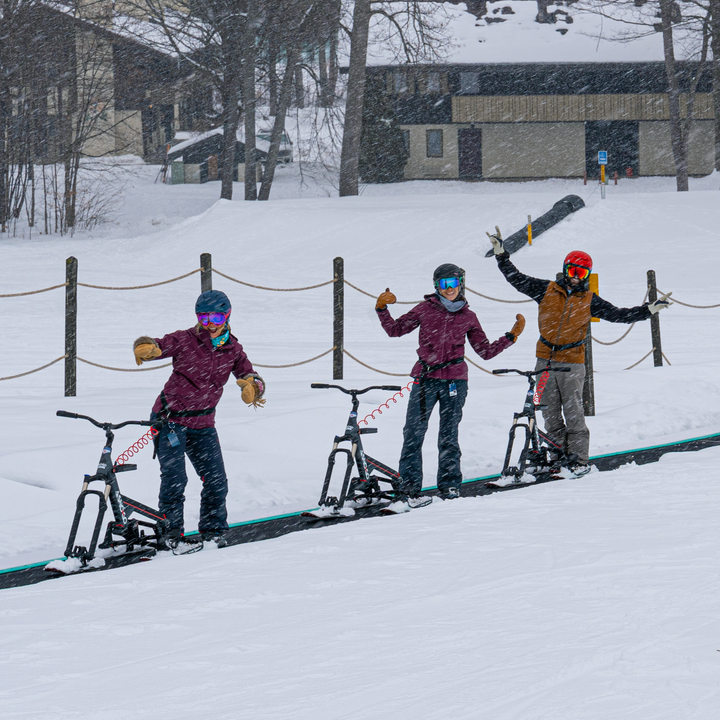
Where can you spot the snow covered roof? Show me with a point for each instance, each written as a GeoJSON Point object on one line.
{"type": "Point", "coordinates": [510, 34]}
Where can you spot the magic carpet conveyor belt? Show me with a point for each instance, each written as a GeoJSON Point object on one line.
{"type": "Point", "coordinates": [277, 526]}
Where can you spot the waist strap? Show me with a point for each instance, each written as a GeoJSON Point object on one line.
{"type": "Point", "coordinates": [169, 414]}
{"type": "Point", "coordinates": [558, 348]}
{"type": "Point", "coordinates": [427, 369]}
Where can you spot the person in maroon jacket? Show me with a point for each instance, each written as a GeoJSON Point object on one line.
{"type": "Point", "coordinates": [440, 374]}
{"type": "Point", "coordinates": [203, 358]}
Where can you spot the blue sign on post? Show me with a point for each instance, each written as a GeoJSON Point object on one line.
{"type": "Point", "coordinates": [602, 157]}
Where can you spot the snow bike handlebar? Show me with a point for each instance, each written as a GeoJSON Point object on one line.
{"type": "Point", "coordinates": [103, 426]}
{"type": "Point", "coordinates": [325, 386]}
{"type": "Point", "coordinates": [530, 373]}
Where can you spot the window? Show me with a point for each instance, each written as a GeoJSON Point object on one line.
{"type": "Point", "coordinates": [434, 143]}
{"type": "Point", "coordinates": [401, 85]}
{"type": "Point", "coordinates": [433, 82]}
{"type": "Point", "coordinates": [469, 83]}
{"type": "Point", "coordinates": [406, 140]}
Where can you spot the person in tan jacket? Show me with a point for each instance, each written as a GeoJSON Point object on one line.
{"type": "Point", "coordinates": [565, 308]}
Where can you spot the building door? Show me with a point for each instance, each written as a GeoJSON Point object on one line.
{"type": "Point", "coordinates": [470, 153]}
{"type": "Point", "coordinates": [621, 140]}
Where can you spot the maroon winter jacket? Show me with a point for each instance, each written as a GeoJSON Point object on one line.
{"type": "Point", "coordinates": [199, 373]}
{"type": "Point", "coordinates": [442, 336]}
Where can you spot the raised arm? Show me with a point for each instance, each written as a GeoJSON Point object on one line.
{"type": "Point", "coordinates": [534, 288]}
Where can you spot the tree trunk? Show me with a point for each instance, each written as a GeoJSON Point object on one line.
{"type": "Point", "coordinates": [231, 119]}
{"type": "Point", "coordinates": [278, 126]}
{"type": "Point", "coordinates": [679, 144]}
{"type": "Point", "coordinates": [232, 38]}
{"type": "Point", "coordinates": [333, 69]}
{"type": "Point", "coordinates": [352, 130]}
{"type": "Point", "coordinates": [272, 74]}
{"type": "Point", "coordinates": [4, 169]}
{"type": "Point", "coordinates": [248, 70]}
{"type": "Point", "coordinates": [323, 76]}
{"type": "Point", "coordinates": [299, 87]}
{"type": "Point", "coordinates": [715, 31]}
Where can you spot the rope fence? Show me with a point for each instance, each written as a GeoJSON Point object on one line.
{"type": "Point", "coordinates": [141, 287]}
{"type": "Point", "coordinates": [338, 282]}
{"type": "Point", "coordinates": [30, 372]}
{"type": "Point", "coordinates": [260, 287]}
{"type": "Point", "coordinates": [34, 292]}
{"type": "Point", "coordinates": [115, 369]}
{"type": "Point", "coordinates": [697, 307]}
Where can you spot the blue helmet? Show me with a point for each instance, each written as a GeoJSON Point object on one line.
{"type": "Point", "coordinates": [213, 301]}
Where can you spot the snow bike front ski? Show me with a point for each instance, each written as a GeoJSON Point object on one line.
{"type": "Point", "coordinates": [126, 540]}
{"type": "Point", "coordinates": [540, 457]}
{"type": "Point", "coordinates": [365, 489]}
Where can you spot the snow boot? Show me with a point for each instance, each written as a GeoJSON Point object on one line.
{"type": "Point", "coordinates": [176, 541]}
{"type": "Point", "coordinates": [450, 493]}
{"type": "Point", "coordinates": [215, 537]}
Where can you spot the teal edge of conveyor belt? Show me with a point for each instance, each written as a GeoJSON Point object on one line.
{"type": "Point", "coordinates": [432, 487]}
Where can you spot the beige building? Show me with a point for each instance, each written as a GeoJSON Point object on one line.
{"type": "Point", "coordinates": [542, 120]}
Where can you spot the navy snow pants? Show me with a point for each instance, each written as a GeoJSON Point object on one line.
{"type": "Point", "coordinates": [203, 449]}
{"type": "Point", "coordinates": [416, 424]}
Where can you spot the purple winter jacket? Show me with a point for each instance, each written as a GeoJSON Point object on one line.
{"type": "Point", "coordinates": [442, 337]}
{"type": "Point", "coordinates": [199, 373]}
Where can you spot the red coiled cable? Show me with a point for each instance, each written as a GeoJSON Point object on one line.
{"type": "Point", "coordinates": [385, 404]}
{"type": "Point", "coordinates": [138, 445]}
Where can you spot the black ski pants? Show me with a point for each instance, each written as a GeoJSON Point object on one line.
{"type": "Point", "coordinates": [423, 398]}
{"type": "Point", "coordinates": [203, 449]}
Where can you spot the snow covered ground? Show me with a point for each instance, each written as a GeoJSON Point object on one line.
{"type": "Point", "coordinates": [588, 599]}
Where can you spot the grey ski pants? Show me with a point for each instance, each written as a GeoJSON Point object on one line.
{"type": "Point", "coordinates": [564, 415]}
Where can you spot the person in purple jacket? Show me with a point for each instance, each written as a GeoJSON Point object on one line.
{"type": "Point", "coordinates": [203, 358]}
{"type": "Point", "coordinates": [440, 374]}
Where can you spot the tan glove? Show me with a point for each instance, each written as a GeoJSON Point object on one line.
{"type": "Point", "coordinates": [252, 391]}
{"type": "Point", "coordinates": [145, 348]}
{"type": "Point", "coordinates": [385, 299]}
{"type": "Point", "coordinates": [517, 328]}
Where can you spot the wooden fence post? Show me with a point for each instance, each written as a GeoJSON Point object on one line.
{"type": "Point", "coordinates": [654, 321]}
{"type": "Point", "coordinates": [338, 316]}
{"type": "Point", "coordinates": [589, 385]}
{"type": "Point", "coordinates": [205, 272]}
{"type": "Point", "coordinates": [71, 272]}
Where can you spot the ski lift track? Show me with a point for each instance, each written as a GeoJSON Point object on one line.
{"type": "Point", "coordinates": [273, 527]}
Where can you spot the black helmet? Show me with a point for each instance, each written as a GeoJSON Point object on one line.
{"type": "Point", "coordinates": [448, 270]}
{"type": "Point", "coordinates": [213, 301]}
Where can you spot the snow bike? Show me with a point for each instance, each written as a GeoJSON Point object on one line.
{"type": "Point", "coordinates": [364, 489]}
{"type": "Point", "coordinates": [124, 537]}
{"type": "Point", "coordinates": [540, 456]}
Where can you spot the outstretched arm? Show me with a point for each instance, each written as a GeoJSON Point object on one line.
{"type": "Point", "coordinates": [604, 310]}
{"type": "Point", "coordinates": [483, 347]}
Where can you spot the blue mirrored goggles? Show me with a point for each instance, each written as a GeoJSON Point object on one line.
{"type": "Point", "coordinates": [215, 318]}
{"type": "Point", "coordinates": [452, 282]}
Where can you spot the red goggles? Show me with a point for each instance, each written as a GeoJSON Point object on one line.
{"type": "Point", "coordinates": [216, 318]}
{"type": "Point", "coordinates": [577, 271]}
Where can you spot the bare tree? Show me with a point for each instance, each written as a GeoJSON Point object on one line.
{"type": "Point", "coordinates": [410, 30]}
{"type": "Point", "coordinates": [209, 36]}
{"type": "Point", "coordinates": [640, 18]}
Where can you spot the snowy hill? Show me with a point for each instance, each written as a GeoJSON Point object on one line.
{"type": "Point", "coordinates": [587, 599]}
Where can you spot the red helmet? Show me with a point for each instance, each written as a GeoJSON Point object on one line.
{"type": "Point", "coordinates": [578, 258]}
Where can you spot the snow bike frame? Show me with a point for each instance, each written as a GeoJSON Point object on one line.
{"type": "Point", "coordinates": [132, 532]}
{"type": "Point", "coordinates": [365, 487]}
{"type": "Point", "coordinates": [537, 445]}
